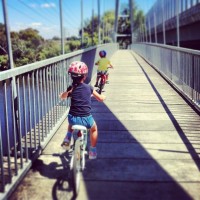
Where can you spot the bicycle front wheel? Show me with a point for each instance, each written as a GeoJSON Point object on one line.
{"type": "Point", "coordinates": [76, 168]}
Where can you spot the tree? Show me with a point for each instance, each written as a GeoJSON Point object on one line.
{"type": "Point", "coordinates": [3, 48]}
{"type": "Point", "coordinates": [3, 43]}
{"type": "Point", "coordinates": [3, 62]}
{"type": "Point", "coordinates": [124, 23]}
{"type": "Point", "coordinates": [91, 28]}
{"type": "Point", "coordinates": [28, 46]}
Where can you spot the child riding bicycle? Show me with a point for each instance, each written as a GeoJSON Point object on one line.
{"type": "Point", "coordinates": [80, 109]}
{"type": "Point", "coordinates": [103, 65]}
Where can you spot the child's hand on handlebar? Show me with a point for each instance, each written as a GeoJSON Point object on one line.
{"type": "Point", "coordinates": [63, 95]}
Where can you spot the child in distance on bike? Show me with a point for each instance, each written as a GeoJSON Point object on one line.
{"type": "Point", "coordinates": [103, 65]}
{"type": "Point", "coordinates": [80, 109]}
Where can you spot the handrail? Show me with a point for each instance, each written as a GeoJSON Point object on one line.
{"type": "Point", "coordinates": [180, 66]}
{"type": "Point", "coordinates": [31, 110]}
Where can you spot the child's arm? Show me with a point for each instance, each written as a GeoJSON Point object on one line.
{"type": "Point", "coordinates": [67, 93]}
{"type": "Point", "coordinates": [110, 65]}
{"type": "Point", "coordinates": [98, 96]}
{"type": "Point", "coordinates": [96, 63]}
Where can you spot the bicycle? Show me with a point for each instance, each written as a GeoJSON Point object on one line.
{"type": "Point", "coordinates": [77, 162]}
{"type": "Point", "coordinates": [103, 78]}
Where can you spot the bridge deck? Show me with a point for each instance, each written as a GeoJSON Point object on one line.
{"type": "Point", "coordinates": [148, 145]}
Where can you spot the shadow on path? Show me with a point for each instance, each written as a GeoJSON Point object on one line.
{"type": "Point", "coordinates": [124, 169]}
{"type": "Point", "coordinates": [188, 143]}
{"type": "Point", "coordinates": [62, 188]}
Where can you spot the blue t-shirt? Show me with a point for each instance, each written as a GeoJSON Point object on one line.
{"type": "Point", "coordinates": [81, 100]}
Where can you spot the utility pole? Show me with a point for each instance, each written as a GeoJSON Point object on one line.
{"type": "Point", "coordinates": [155, 27]}
{"type": "Point", "coordinates": [92, 22]}
{"type": "Point", "coordinates": [82, 31]}
{"type": "Point", "coordinates": [149, 30]}
{"type": "Point", "coordinates": [177, 23]}
{"type": "Point", "coordinates": [103, 22]}
{"type": "Point", "coordinates": [14, 89]}
{"type": "Point", "coordinates": [163, 15]}
{"type": "Point", "coordinates": [116, 20]}
{"type": "Point", "coordinates": [99, 22]}
{"type": "Point", "coordinates": [131, 18]}
{"type": "Point", "coordinates": [10, 53]}
{"type": "Point", "coordinates": [61, 29]}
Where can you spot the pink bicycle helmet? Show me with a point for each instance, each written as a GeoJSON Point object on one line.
{"type": "Point", "coordinates": [102, 53]}
{"type": "Point", "coordinates": [77, 69]}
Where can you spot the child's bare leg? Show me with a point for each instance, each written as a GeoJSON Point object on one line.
{"type": "Point", "coordinates": [67, 138]}
{"type": "Point", "coordinates": [97, 80]}
{"type": "Point", "coordinates": [93, 135]}
{"type": "Point", "coordinates": [93, 141]}
{"type": "Point", "coordinates": [69, 132]}
{"type": "Point", "coordinates": [69, 128]}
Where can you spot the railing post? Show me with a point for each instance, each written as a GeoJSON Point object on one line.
{"type": "Point", "coordinates": [163, 17]}
{"type": "Point", "coordinates": [177, 23]}
{"type": "Point", "coordinates": [193, 84]}
{"type": "Point", "coordinates": [155, 27]}
{"type": "Point", "coordinates": [146, 30]}
{"type": "Point", "coordinates": [149, 30]}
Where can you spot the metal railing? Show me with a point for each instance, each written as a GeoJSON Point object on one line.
{"type": "Point", "coordinates": [180, 66]}
{"type": "Point", "coordinates": [31, 110]}
{"type": "Point", "coordinates": [166, 21]}
{"type": "Point", "coordinates": [167, 9]}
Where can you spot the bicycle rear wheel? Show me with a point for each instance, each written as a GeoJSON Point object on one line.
{"type": "Point", "coordinates": [101, 86]}
{"type": "Point", "coordinates": [76, 169]}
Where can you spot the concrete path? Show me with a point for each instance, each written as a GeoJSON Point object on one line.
{"type": "Point", "coordinates": [148, 147]}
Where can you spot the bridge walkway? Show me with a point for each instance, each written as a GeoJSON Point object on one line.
{"type": "Point", "coordinates": [148, 145]}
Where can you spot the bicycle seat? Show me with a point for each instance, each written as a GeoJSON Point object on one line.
{"type": "Point", "coordinates": [79, 127]}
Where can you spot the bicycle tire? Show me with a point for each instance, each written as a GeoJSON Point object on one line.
{"type": "Point", "coordinates": [84, 147]}
{"type": "Point", "coordinates": [101, 86]}
{"type": "Point", "coordinates": [76, 169]}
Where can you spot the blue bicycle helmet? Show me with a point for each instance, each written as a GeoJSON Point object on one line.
{"type": "Point", "coordinates": [102, 53]}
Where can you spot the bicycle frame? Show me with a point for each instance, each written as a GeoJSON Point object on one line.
{"type": "Point", "coordinates": [77, 162]}
{"type": "Point", "coordinates": [102, 83]}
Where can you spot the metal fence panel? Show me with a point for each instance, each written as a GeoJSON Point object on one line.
{"type": "Point", "coordinates": [31, 110]}
{"type": "Point", "coordinates": [180, 66]}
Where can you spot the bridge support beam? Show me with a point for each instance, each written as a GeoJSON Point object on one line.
{"type": "Point", "coordinates": [116, 20]}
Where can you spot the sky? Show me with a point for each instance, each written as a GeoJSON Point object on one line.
{"type": "Point", "coordinates": [44, 15]}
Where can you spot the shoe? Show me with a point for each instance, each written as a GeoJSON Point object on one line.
{"type": "Point", "coordinates": [107, 82]}
{"type": "Point", "coordinates": [66, 143]}
{"type": "Point", "coordinates": [96, 85]}
{"type": "Point", "coordinates": [92, 153]}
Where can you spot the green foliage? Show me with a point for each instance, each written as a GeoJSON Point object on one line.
{"type": "Point", "coordinates": [74, 45]}
{"type": "Point", "coordinates": [107, 25]}
{"type": "Point", "coordinates": [3, 62]}
{"type": "Point", "coordinates": [28, 46]}
{"type": "Point", "coordinates": [3, 44]}
{"type": "Point", "coordinates": [91, 28]}
{"type": "Point", "coordinates": [51, 48]}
